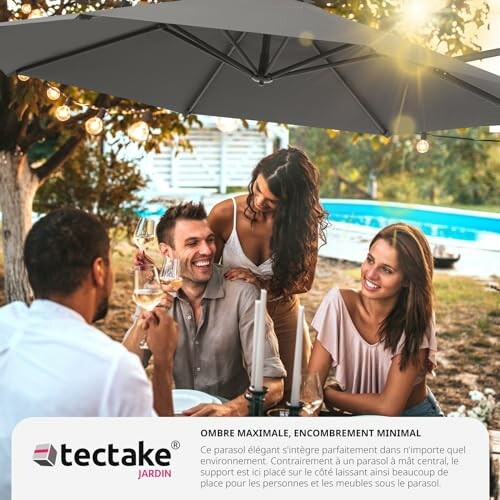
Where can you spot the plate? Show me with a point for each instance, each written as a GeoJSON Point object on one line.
{"type": "Point", "coordinates": [187, 398]}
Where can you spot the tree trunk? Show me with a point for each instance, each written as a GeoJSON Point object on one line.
{"type": "Point", "coordinates": [18, 185]}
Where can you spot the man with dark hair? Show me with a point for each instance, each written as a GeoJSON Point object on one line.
{"type": "Point", "coordinates": [215, 318]}
{"type": "Point", "coordinates": [52, 361]}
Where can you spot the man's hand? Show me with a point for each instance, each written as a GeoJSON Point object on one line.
{"type": "Point", "coordinates": [161, 334]}
{"type": "Point", "coordinates": [209, 410]}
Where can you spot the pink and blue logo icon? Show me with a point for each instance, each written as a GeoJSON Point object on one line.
{"type": "Point", "coordinates": [45, 454]}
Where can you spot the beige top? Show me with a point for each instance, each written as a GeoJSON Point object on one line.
{"type": "Point", "coordinates": [361, 368]}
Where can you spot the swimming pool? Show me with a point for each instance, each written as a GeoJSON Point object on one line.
{"type": "Point", "coordinates": [465, 227]}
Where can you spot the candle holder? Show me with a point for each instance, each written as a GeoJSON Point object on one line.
{"type": "Point", "coordinates": [255, 401]}
{"type": "Point", "coordinates": [294, 410]}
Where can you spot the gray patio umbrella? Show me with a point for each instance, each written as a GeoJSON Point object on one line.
{"type": "Point", "coordinates": [273, 60]}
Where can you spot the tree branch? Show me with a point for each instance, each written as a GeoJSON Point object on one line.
{"type": "Point", "coordinates": [4, 11]}
{"type": "Point", "coordinates": [57, 160]}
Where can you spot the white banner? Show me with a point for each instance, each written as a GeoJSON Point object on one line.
{"type": "Point", "coordinates": [239, 458]}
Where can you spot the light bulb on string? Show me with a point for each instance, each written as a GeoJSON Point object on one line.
{"type": "Point", "coordinates": [94, 125]}
{"type": "Point", "coordinates": [139, 130]}
{"type": "Point", "coordinates": [53, 93]}
{"type": "Point", "coordinates": [226, 125]}
{"type": "Point", "coordinates": [422, 145]}
{"type": "Point", "coordinates": [26, 8]}
{"type": "Point", "coordinates": [23, 78]}
{"type": "Point", "coordinates": [63, 112]}
{"type": "Point", "coordinates": [36, 13]}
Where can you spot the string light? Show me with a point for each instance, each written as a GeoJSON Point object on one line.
{"type": "Point", "coordinates": [63, 112]}
{"type": "Point", "coordinates": [26, 8]}
{"type": "Point", "coordinates": [36, 13]}
{"type": "Point", "coordinates": [94, 125]}
{"type": "Point", "coordinates": [53, 93]}
{"type": "Point", "coordinates": [422, 145]}
{"type": "Point", "coordinates": [139, 130]}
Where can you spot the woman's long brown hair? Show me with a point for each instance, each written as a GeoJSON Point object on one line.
{"type": "Point", "coordinates": [299, 218]}
{"type": "Point", "coordinates": [413, 312]}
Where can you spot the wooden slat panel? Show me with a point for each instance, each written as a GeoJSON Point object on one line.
{"type": "Point", "coordinates": [232, 157]}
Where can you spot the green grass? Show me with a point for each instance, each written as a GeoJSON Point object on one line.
{"type": "Point", "coordinates": [482, 208]}
{"type": "Point", "coordinates": [465, 292]}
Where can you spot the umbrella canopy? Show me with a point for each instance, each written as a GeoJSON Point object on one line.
{"type": "Point", "coordinates": [273, 60]}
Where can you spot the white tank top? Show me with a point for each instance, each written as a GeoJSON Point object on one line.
{"type": "Point", "coordinates": [234, 256]}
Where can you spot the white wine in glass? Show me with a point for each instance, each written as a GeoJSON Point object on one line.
{"type": "Point", "coordinates": [146, 298]}
{"type": "Point", "coordinates": [144, 232]}
{"type": "Point", "coordinates": [170, 273]}
{"type": "Point", "coordinates": [147, 291]}
{"type": "Point", "coordinates": [311, 393]}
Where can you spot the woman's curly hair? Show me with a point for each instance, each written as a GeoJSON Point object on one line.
{"type": "Point", "coordinates": [299, 218]}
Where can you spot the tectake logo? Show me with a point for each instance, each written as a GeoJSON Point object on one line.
{"type": "Point", "coordinates": [45, 454]}
{"type": "Point", "coordinates": [108, 456]}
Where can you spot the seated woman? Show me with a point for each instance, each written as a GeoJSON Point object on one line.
{"type": "Point", "coordinates": [381, 340]}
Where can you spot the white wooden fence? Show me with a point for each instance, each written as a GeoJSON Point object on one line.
{"type": "Point", "coordinates": [218, 160]}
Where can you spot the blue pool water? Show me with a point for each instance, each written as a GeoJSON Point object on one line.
{"type": "Point", "coordinates": [479, 228]}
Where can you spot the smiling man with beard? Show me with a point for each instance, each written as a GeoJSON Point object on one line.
{"type": "Point", "coordinates": [215, 318]}
{"type": "Point", "coordinates": [53, 363]}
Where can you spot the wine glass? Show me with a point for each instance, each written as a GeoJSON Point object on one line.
{"type": "Point", "coordinates": [147, 291]}
{"type": "Point", "coordinates": [311, 393]}
{"type": "Point", "coordinates": [170, 273]}
{"type": "Point", "coordinates": [144, 232]}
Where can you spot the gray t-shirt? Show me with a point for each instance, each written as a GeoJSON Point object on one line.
{"type": "Point", "coordinates": [215, 356]}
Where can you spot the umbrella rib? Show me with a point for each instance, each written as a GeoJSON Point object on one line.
{"type": "Point", "coordinates": [211, 78]}
{"type": "Point", "coordinates": [88, 48]}
{"type": "Point", "coordinates": [278, 53]}
{"type": "Point", "coordinates": [325, 66]}
{"type": "Point", "coordinates": [264, 55]}
{"type": "Point", "coordinates": [305, 62]}
{"type": "Point", "coordinates": [375, 120]}
{"type": "Point", "coordinates": [184, 35]}
{"type": "Point", "coordinates": [467, 86]}
{"type": "Point", "coordinates": [240, 51]}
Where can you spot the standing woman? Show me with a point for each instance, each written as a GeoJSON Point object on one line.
{"type": "Point", "coordinates": [381, 340]}
{"type": "Point", "coordinates": [270, 238]}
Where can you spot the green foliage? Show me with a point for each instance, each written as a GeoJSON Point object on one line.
{"type": "Point", "coordinates": [452, 172]}
{"type": "Point", "coordinates": [99, 184]}
{"type": "Point", "coordinates": [446, 29]}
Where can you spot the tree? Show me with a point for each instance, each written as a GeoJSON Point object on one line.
{"type": "Point", "coordinates": [28, 125]}
{"type": "Point", "coordinates": [97, 183]}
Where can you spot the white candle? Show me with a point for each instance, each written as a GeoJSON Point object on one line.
{"type": "Point", "coordinates": [297, 360]}
{"type": "Point", "coordinates": [261, 335]}
{"type": "Point", "coordinates": [256, 318]}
